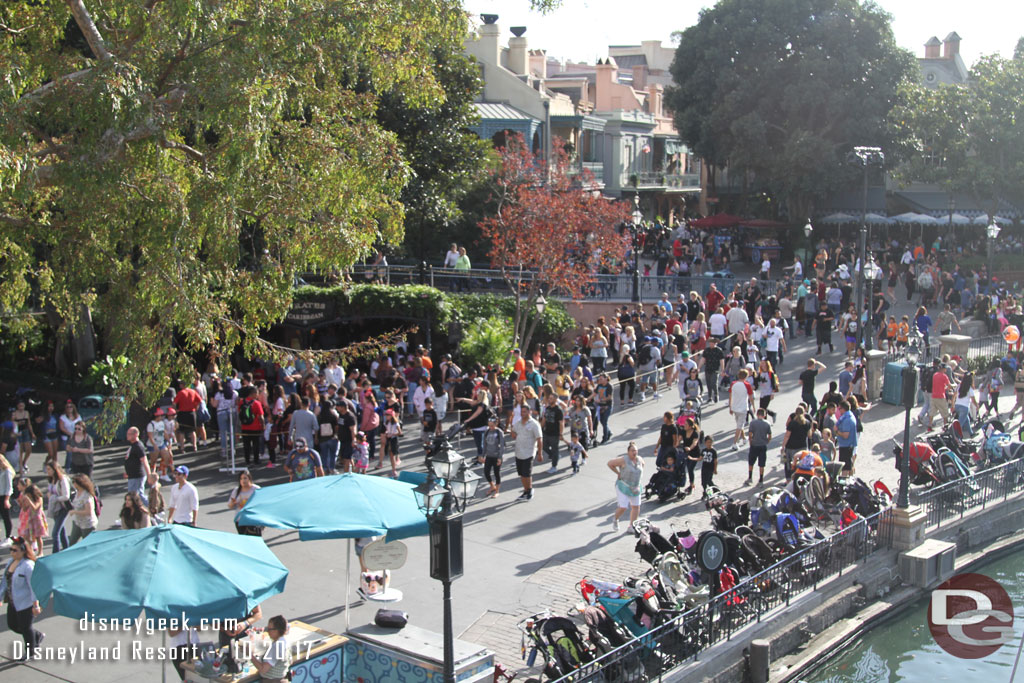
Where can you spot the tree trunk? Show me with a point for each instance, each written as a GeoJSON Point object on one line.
{"type": "Point", "coordinates": [84, 340]}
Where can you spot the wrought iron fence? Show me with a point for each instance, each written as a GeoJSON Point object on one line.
{"type": "Point", "coordinates": [956, 498]}
{"type": "Point", "coordinates": [685, 635]}
{"type": "Point", "coordinates": [606, 287]}
{"type": "Point", "coordinates": [993, 345]}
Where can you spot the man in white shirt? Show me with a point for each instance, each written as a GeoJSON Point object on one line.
{"type": "Point", "coordinates": [766, 267]}
{"type": "Point", "coordinates": [737, 318]}
{"type": "Point", "coordinates": [773, 336]}
{"type": "Point", "coordinates": [739, 404]}
{"type": "Point", "coordinates": [184, 505]}
{"type": "Point", "coordinates": [334, 373]}
{"type": "Point", "coordinates": [528, 444]}
{"type": "Point", "coordinates": [786, 309]}
{"type": "Point", "coordinates": [717, 324]}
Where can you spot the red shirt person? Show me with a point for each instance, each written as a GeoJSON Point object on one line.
{"type": "Point", "coordinates": [187, 402]}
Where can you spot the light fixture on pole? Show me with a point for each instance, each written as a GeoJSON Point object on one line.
{"type": "Point", "coordinates": [865, 157]}
{"type": "Point", "coordinates": [873, 277]}
{"type": "Point", "coordinates": [908, 401]}
{"type": "Point", "coordinates": [808, 231]}
{"type": "Point", "coordinates": [541, 303]}
{"type": "Point", "coordinates": [634, 231]}
{"type": "Point", "coordinates": [442, 498]}
{"type": "Point", "coordinates": [992, 231]}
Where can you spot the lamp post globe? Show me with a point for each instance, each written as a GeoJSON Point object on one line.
{"type": "Point", "coordinates": [992, 231]}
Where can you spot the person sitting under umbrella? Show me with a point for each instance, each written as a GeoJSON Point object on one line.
{"type": "Point", "coordinates": [273, 665]}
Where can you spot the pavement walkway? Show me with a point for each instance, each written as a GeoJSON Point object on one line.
{"type": "Point", "coordinates": [519, 557]}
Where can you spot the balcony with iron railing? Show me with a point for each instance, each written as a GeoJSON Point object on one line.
{"type": "Point", "coordinates": [657, 179]}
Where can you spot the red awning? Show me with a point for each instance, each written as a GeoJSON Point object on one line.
{"type": "Point", "coordinates": [719, 220]}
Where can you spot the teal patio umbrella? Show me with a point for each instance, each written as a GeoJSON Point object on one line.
{"type": "Point", "coordinates": [166, 571]}
{"type": "Point", "coordinates": [344, 506]}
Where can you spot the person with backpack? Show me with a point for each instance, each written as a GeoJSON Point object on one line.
{"type": "Point", "coordinates": [992, 385]}
{"type": "Point", "coordinates": [252, 420]}
{"type": "Point", "coordinates": [626, 375]}
{"type": "Point", "coordinates": [648, 357]}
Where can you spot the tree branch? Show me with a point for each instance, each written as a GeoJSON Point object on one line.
{"type": "Point", "coordinates": [46, 88]}
{"type": "Point", "coordinates": [89, 30]}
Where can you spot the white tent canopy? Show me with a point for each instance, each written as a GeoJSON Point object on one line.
{"type": "Point", "coordinates": [983, 220]}
{"type": "Point", "coordinates": [837, 219]}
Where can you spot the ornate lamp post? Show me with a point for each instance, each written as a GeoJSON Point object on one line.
{"type": "Point", "coordinates": [442, 498]}
{"type": "Point", "coordinates": [909, 400]}
{"type": "Point", "coordinates": [865, 157]}
{"type": "Point", "coordinates": [808, 232]}
{"type": "Point", "coordinates": [634, 231]}
{"type": "Point", "coordinates": [873, 276]}
{"type": "Point", "coordinates": [993, 232]}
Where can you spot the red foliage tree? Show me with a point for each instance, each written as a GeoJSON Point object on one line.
{"type": "Point", "coordinates": [550, 224]}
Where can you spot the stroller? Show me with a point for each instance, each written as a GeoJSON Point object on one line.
{"type": "Point", "coordinates": [923, 463]}
{"type": "Point", "coordinates": [559, 642]}
{"type": "Point", "coordinates": [607, 635]}
{"type": "Point", "coordinates": [664, 485]}
{"type": "Point", "coordinates": [726, 513]}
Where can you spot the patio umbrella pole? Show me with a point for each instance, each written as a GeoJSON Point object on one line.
{"type": "Point", "coordinates": [348, 580]}
{"type": "Point", "coordinates": [163, 660]}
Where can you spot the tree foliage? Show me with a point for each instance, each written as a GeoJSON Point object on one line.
{"type": "Point", "coordinates": [170, 165]}
{"type": "Point", "coordinates": [446, 160]}
{"type": "Point", "coordinates": [546, 222]}
{"type": "Point", "coordinates": [785, 88]}
{"type": "Point", "coordinates": [968, 137]}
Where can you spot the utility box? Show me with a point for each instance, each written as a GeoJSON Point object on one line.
{"type": "Point", "coordinates": [928, 564]}
{"type": "Point", "coordinates": [892, 383]}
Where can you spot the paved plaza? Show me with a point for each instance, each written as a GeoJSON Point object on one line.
{"type": "Point", "coordinates": [520, 557]}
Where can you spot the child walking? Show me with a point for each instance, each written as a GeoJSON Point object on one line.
{"type": "Point", "coordinates": [709, 466]}
{"type": "Point", "coordinates": [575, 451]}
{"type": "Point", "coordinates": [392, 430]}
{"type": "Point", "coordinates": [361, 454]}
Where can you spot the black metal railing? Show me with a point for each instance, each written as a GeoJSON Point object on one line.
{"type": "Point", "coordinates": [990, 346]}
{"type": "Point", "coordinates": [956, 498]}
{"type": "Point", "coordinates": [685, 636]}
{"type": "Point", "coordinates": [606, 287]}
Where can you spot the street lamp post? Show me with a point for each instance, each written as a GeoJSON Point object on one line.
{"type": "Point", "coordinates": [442, 498]}
{"type": "Point", "coordinates": [993, 232]}
{"type": "Point", "coordinates": [808, 231]}
{"type": "Point", "coordinates": [909, 400]}
{"type": "Point", "coordinates": [873, 276]}
{"type": "Point", "coordinates": [635, 233]}
{"type": "Point", "coordinates": [865, 157]}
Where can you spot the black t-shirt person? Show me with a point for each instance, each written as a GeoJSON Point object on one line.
{"type": "Point", "coordinates": [807, 378]}
{"type": "Point", "coordinates": [553, 416]}
{"type": "Point", "coordinates": [713, 357]}
{"type": "Point", "coordinates": [133, 461]}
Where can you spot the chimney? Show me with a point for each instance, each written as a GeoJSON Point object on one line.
{"type": "Point", "coordinates": [931, 48]}
{"type": "Point", "coordinates": [539, 63]}
{"type": "Point", "coordinates": [951, 46]}
{"type": "Point", "coordinates": [655, 91]}
{"type": "Point", "coordinates": [603, 84]}
{"type": "Point", "coordinates": [489, 33]}
{"type": "Point", "coordinates": [639, 77]}
{"type": "Point", "coordinates": [518, 57]}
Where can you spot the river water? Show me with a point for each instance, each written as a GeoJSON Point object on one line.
{"type": "Point", "coordinates": [903, 649]}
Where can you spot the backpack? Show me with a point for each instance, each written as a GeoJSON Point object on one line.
{"type": "Point", "coordinates": [926, 379]}
{"type": "Point", "coordinates": [775, 382]}
{"type": "Point", "coordinates": [246, 415]}
{"type": "Point", "coordinates": [644, 355]}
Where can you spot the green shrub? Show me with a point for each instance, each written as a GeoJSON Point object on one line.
{"type": "Point", "coordinates": [487, 341]}
{"type": "Point", "coordinates": [554, 324]}
{"type": "Point", "coordinates": [100, 378]}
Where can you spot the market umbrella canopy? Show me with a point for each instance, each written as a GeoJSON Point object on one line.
{"type": "Point", "coordinates": [343, 506]}
{"type": "Point", "coordinates": [960, 219]}
{"type": "Point", "coordinates": [719, 220]}
{"type": "Point", "coordinates": [982, 219]}
{"type": "Point", "coordinates": [877, 219]}
{"type": "Point", "coordinates": [166, 570]}
{"type": "Point", "coordinates": [837, 219]}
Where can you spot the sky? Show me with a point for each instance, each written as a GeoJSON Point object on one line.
{"type": "Point", "coordinates": [581, 30]}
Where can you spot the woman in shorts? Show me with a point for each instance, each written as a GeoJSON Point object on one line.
{"type": "Point", "coordinates": [629, 470]}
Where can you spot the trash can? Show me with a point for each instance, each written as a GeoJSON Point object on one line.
{"type": "Point", "coordinates": [892, 383]}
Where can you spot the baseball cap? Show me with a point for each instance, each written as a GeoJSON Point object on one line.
{"type": "Point", "coordinates": [158, 412]}
{"type": "Point", "coordinates": [684, 354]}
{"type": "Point", "coordinates": [181, 469]}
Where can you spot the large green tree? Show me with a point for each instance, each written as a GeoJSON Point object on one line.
{"type": "Point", "coordinates": [968, 137]}
{"type": "Point", "coordinates": [783, 89]}
{"type": "Point", "coordinates": [168, 166]}
{"type": "Point", "coordinates": [445, 158]}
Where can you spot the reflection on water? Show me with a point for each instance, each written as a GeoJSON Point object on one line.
{"type": "Point", "coordinates": [904, 650]}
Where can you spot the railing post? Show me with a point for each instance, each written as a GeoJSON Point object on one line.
{"type": "Point", "coordinates": [430, 269]}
